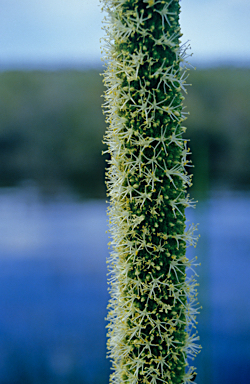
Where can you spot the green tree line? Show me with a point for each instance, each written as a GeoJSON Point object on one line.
{"type": "Point", "coordinates": [51, 129]}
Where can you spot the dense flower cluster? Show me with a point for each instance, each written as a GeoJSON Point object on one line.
{"type": "Point", "coordinates": [153, 306]}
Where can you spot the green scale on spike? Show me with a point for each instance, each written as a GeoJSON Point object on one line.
{"type": "Point", "coordinates": [153, 305]}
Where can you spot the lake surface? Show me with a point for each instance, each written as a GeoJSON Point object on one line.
{"type": "Point", "coordinates": [53, 291]}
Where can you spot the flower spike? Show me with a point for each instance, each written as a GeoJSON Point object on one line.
{"type": "Point", "coordinates": [153, 304]}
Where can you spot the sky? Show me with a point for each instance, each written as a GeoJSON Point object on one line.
{"type": "Point", "coordinates": [37, 33]}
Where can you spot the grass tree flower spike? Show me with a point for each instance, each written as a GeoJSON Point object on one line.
{"type": "Point", "coordinates": [153, 305]}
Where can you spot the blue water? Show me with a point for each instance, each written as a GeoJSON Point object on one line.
{"type": "Point", "coordinates": [53, 292]}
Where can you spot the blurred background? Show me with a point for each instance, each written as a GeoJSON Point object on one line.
{"type": "Point", "coordinates": [53, 291]}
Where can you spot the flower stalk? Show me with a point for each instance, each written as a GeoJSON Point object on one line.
{"type": "Point", "coordinates": [153, 305]}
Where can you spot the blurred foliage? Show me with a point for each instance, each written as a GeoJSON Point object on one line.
{"type": "Point", "coordinates": [51, 129]}
{"type": "Point", "coordinates": [219, 128]}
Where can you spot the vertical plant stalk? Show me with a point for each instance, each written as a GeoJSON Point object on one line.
{"type": "Point", "coordinates": [153, 306]}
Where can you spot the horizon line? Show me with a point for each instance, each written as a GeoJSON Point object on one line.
{"type": "Point", "coordinates": [81, 65]}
